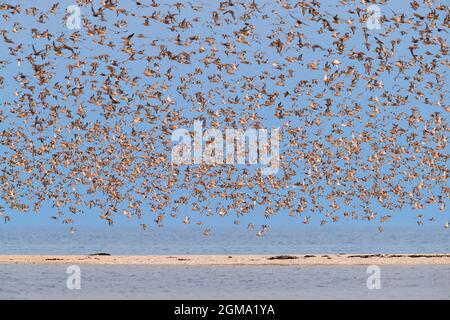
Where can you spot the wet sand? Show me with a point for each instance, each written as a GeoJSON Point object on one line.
{"type": "Point", "coordinates": [207, 260]}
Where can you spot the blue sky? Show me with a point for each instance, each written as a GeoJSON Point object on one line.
{"type": "Point", "coordinates": [159, 31]}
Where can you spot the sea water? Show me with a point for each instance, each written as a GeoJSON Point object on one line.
{"type": "Point", "coordinates": [223, 282]}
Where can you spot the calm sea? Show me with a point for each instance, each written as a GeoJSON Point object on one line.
{"type": "Point", "coordinates": [223, 282]}
{"type": "Point", "coordinates": [134, 241]}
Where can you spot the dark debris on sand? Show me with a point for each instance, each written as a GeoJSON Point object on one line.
{"type": "Point", "coordinates": [282, 257]}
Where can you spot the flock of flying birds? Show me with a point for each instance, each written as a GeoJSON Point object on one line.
{"type": "Point", "coordinates": [87, 114]}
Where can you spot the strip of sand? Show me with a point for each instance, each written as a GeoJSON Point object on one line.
{"type": "Point", "coordinates": [198, 260]}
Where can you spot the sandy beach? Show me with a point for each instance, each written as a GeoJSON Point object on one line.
{"type": "Point", "coordinates": [205, 260]}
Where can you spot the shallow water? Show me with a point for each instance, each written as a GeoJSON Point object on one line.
{"type": "Point", "coordinates": [224, 282]}
{"type": "Point", "coordinates": [223, 241]}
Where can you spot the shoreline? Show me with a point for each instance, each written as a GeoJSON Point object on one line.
{"type": "Point", "coordinates": [217, 260]}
